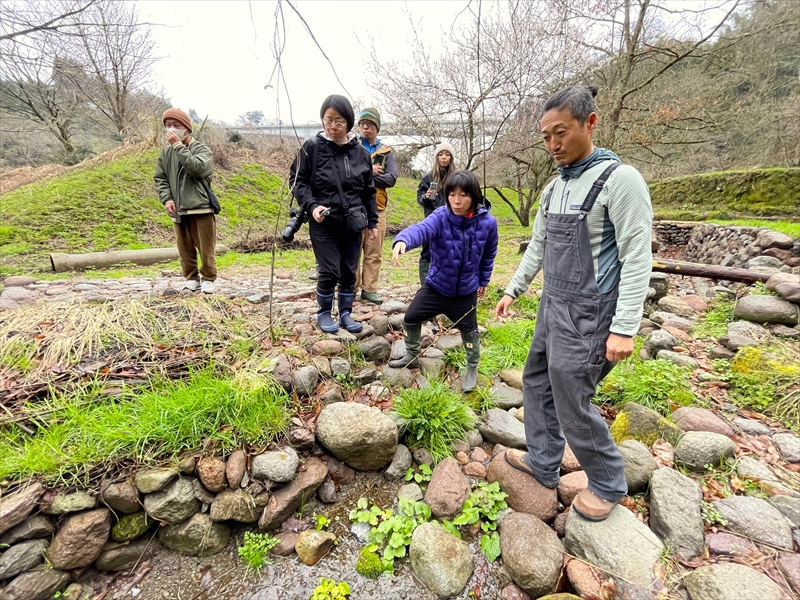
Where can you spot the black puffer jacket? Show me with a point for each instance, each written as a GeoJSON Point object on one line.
{"type": "Point", "coordinates": [429, 204]}
{"type": "Point", "coordinates": [354, 168]}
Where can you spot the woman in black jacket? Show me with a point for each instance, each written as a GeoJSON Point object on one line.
{"type": "Point", "coordinates": [430, 195]}
{"type": "Point", "coordinates": [331, 179]}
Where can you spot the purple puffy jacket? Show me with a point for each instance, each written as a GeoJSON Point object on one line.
{"type": "Point", "coordinates": [462, 249]}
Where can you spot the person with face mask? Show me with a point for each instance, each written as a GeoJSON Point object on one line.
{"type": "Point", "coordinates": [182, 167]}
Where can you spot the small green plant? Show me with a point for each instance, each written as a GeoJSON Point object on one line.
{"type": "Point", "coordinates": [714, 322]}
{"type": "Point", "coordinates": [255, 549]}
{"type": "Point", "coordinates": [451, 528]}
{"type": "Point", "coordinates": [363, 513]}
{"type": "Point", "coordinates": [423, 475]}
{"type": "Point", "coordinates": [393, 534]}
{"type": "Point", "coordinates": [656, 384]}
{"type": "Point", "coordinates": [484, 504]}
{"type": "Point", "coordinates": [711, 515]}
{"type": "Point", "coordinates": [369, 564]}
{"type": "Point", "coordinates": [329, 589]}
{"type": "Point", "coordinates": [321, 522]}
{"type": "Point", "coordinates": [482, 399]}
{"type": "Point", "coordinates": [433, 417]}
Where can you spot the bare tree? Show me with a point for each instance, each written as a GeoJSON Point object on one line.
{"type": "Point", "coordinates": [24, 17]}
{"type": "Point", "coordinates": [113, 59]}
{"type": "Point", "coordinates": [492, 63]}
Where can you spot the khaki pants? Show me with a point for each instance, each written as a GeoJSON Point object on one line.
{"type": "Point", "coordinates": [371, 257]}
{"type": "Point", "coordinates": [197, 233]}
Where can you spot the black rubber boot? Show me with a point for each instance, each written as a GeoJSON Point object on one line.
{"type": "Point", "coordinates": [410, 359]}
{"type": "Point", "coordinates": [424, 267]}
{"type": "Point", "coordinates": [472, 347]}
{"type": "Point", "coordinates": [324, 318]}
{"type": "Point", "coordinates": [345, 306]}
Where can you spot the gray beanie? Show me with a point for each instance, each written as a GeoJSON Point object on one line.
{"type": "Point", "coordinates": [445, 146]}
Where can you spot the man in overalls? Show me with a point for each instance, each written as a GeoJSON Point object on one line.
{"type": "Point", "coordinates": [592, 237]}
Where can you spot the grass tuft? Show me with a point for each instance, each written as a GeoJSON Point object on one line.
{"type": "Point", "coordinates": [88, 430]}
{"type": "Point", "coordinates": [657, 384]}
{"type": "Point", "coordinates": [433, 417]}
{"type": "Point", "coordinates": [714, 322]}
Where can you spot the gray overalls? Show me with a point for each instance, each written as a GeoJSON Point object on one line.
{"type": "Point", "coordinates": [567, 358]}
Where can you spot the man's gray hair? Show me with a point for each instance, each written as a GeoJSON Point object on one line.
{"type": "Point", "coordinates": [579, 99]}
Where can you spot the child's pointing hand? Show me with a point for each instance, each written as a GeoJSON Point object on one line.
{"type": "Point", "coordinates": [399, 248]}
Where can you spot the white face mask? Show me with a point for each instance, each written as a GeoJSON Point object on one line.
{"type": "Point", "coordinates": [181, 133]}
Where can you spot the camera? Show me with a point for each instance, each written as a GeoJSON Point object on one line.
{"type": "Point", "coordinates": [297, 216]}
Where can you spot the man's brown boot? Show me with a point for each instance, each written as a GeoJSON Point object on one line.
{"type": "Point", "coordinates": [592, 507]}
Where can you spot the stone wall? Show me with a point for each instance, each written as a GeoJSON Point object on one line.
{"type": "Point", "coordinates": [730, 246]}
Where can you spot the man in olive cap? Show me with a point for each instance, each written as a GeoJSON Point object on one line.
{"type": "Point", "coordinates": [384, 173]}
{"type": "Point", "coordinates": [183, 171]}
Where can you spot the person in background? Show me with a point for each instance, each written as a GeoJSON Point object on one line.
{"type": "Point", "coordinates": [463, 241]}
{"type": "Point", "coordinates": [430, 195]}
{"type": "Point", "coordinates": [384, 174]}
{"type": "Point", "coordinates": [592, 237]}
{"type": "Point", "coordinates": [341, 189]}
{"type": "Point", "coordinates": [182, 166]}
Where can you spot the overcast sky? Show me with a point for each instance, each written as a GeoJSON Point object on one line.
{"type": "Point", "coordinates": [217, 56]}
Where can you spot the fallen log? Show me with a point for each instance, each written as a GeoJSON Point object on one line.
{"type": "Point", "coordinates": [710, 271]}
{"type": "Point", "coordinates": [61, 262]}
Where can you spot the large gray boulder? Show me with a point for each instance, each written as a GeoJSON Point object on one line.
{"type": "Point", "coordinates": [506, 396]}
{"type": "Point", "coordinates": [638, 465]}
{"type": "Point", "coordinates": [285, 501]}
{"type": "Point", "coordinates": [700, 419]}
{"type": "Point", "coordinates": [154, 480]}
{"type": "Point", "coordinates": [61, 504]}
{"type": "Point", "coordinates": [764, 263]}
{"type": "Point", "coordinates": [756, 519]}
{"type": "Point", "coordinates": [730, 581]}
{"type": "Point", "coordinates": [276, 465]}
{"type": "Point", "coordinates": [532, 553]}
{"type": "Point", "coordinates": [80, 539]}
{"type": "Point", "coordinates": [675, 512]}
{"type": "Point", "coordinates": [767, 309]}
{"type": "Point", "coordinates": [199, 536]}
{"type": "Point", "coordinates": [621, 544]}
{"type": "Point", "coordinates": [441, 561]}
{"type": "Point", "coordinates": [748, 330]}
{"type": "Point", "coordinates": [174, 504]}
{"type": "Point", "coordinates": [360, 436]}
{"type": "Point", "coordinates": [499, 427]}
{"type": "Point", "coordinates": [700, 450]}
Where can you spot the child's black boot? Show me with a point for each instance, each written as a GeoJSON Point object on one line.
{"type": "Point", "coordinates": [472, 347]}
{"type": "Point", "coordinates": [410, 360]}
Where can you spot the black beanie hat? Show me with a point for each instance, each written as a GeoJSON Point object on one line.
{"type": "Point", "coordinates": [341, 105]}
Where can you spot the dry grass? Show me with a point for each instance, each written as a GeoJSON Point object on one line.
{"type": "Point", "coordinates": [52, 339]}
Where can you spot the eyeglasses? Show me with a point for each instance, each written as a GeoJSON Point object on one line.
{"type": "Point", "coordinates": [329, 123]}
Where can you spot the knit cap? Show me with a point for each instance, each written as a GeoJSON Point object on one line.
{"type": "Point", "coordinates": [371, 114]}
{"type": "Point", "coordinates": [445, 146]}
{"type": "Point", "coordinates": [178, 115]}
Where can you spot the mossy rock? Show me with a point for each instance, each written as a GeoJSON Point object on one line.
{"type": "Point", "coordinates": [757, 192]}
{"type": "Point", "coordinates": [637, 422]}
{"type": "Point", "coordinates": [130, 527]}
{"type": "Point", "coordinates": [369, 564]}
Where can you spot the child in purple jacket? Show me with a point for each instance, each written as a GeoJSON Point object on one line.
{"type": "Point", "coordinates": [463, 243]}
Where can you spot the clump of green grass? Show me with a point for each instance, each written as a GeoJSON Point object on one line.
{"type": "Point", "coordinates": [255, 548]}
{"type": "Point", "coordinates": [433, 417]}
{"type": "Point", "coordinates": [657, 384]}
{"type": "Point", "coordinates": [766, 379]}
{"type": "Point", "coordinates": [88, 430]}
{"type": "Point", "coordinates": [714, 323]}
{"type": "Point", "coordinates": [503, 346]}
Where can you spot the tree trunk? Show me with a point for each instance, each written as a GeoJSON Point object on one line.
{"type": "Point", "coordinates": [711, 271]}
